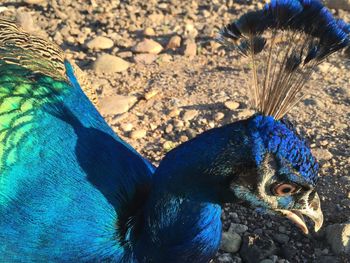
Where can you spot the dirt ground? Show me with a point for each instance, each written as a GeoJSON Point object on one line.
{"type": "Point", "coordinates": [187, 89]}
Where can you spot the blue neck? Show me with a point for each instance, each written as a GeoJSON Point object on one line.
{"type": "Point", "coordinates": [179, 229]}
{"type": "Point", "coordinates": [181, 221]}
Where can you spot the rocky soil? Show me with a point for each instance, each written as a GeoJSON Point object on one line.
{"type": "Point", "coordinates": [159, 79]}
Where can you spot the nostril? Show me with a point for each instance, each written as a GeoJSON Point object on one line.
{"type": "Point", "coordinates": [313, 202]}
{"type": "Point", "coordinates": [311, 196]}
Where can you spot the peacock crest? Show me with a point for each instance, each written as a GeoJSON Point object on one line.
{"type": "Point", "coordinates": [285, 42]}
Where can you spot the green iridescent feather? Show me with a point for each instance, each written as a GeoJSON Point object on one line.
{"type": "Point", "coordinates": [32, 74]}
{"type": "Point", "coordinates": [21, 93]}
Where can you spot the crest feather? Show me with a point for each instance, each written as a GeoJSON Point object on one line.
{"type": "Point", "coordinates": [285, 42]}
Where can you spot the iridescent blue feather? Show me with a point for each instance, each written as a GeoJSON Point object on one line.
{"type": "Point", "coordinates": [281, 140]}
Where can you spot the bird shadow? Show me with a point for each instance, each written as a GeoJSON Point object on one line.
{"type": "Point", "coordinates": [110, 165]}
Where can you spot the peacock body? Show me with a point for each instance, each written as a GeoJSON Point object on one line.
{"type": "Point", "coordinates": [47, 211]}
{"type": "Point", "coordinates": [73, 191]}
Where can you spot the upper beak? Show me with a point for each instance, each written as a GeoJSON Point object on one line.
{"type": "Point", "coordinates": [309, 208]}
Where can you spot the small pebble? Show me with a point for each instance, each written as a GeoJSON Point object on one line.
{"type": "Point", "coordinates": [190, 31]}
{"type": "Point", "coordinates": [153, 126]}
{"type": "Point", "coordinates": [231, 105]}
{"type": "Point", "coordinates": [174, 113]}
{"type": "Point", "coordinates": [138, 134]}
{"type": "Point", "coordinates": [191, 133]}
{"type": "Point", "coordinates": [281, 238]}
{"type": "Point", "coordinates": [164, 58]}
{"type": "Point", "coordinates": [238, 228]}
{"type": "Point", "coordinates": [189, 115]}
{"type": "Point", "coordinates": [126, 127]}
{"type": "Point", "coordinates": [174, 42]}
{"type": "Point", "coordinates": [245, 114]}
{"type": "Point", "coordinates": [322, 154]}
{"type": "Point", "coordinates": [125, 54]}
{"type": "Point", "coordinates": [149, 31]}
{"type": "Point", "coordinates": [211, 124]}
{"type": "Point", "coordinates": [145, 59]}
{"type": "Point", "coordinates": [26, 22]}
{"type": "Point", "coordinates": [274, 258]}
{"type": "Point", "coordinates": [168, 145]}
{"type": "Point", "coordinates": [183, 138]}
{"type": "Point", "coordinates": [219, 116]}
{"type": "Point", "coordinates": [230, 242]}
{"type": "Point", "coordinates": [338, 236]}
{"type": "Point", "coordinates": [148, 46]}
{"type": "Point", "coordinates": [256, 248]}
{"type": "Point", "coordinates": [338, 4]}
{"type": "Point", "coordinates": [169, 128]}
{"type": "Point", "coordinates": [282, 229]}
{"type": "Point", "coordinates": [100, 42]}
{"type": "Point", "coordinates": [116, 104]}
{"type": "Point", "coordinates": [225, 258]}
{"type": "Point", "coordinates": [190, 49]}
{"type": "Point", "coordinates": [110, 64]}
{"type": "Point", "coordinates": [178, 123]}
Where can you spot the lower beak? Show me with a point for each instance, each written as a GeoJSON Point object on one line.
{"type": "Point", "coordinates": [312, 209]}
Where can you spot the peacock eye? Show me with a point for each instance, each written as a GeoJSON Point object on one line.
{"type": "Point", "coordinates": [284, 189]}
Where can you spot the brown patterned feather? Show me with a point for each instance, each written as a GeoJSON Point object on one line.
{"type": "Point", "coordinates": [39, 55]}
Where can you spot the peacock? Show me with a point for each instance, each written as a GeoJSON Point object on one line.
{"type": "Point", "coordinates": [71, 190]}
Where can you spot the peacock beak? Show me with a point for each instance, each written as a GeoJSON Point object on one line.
{"type": "Point", "coordinates": [310, 208]}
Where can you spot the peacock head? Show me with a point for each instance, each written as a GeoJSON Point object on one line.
{"type": "Point", "coordinates": [260, 162]}
{"type": "Point", "coordinates": [280, 173]}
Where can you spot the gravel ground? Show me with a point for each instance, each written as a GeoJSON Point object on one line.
{"type": "Point", "coordinates": [178, 83]}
